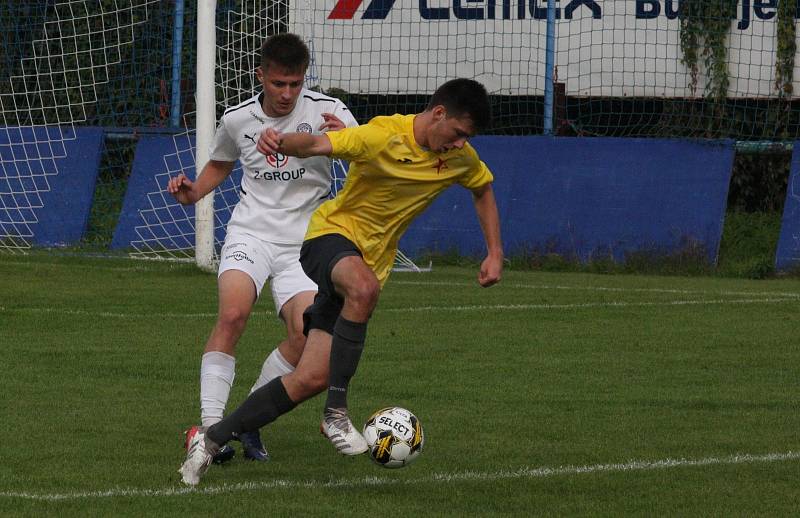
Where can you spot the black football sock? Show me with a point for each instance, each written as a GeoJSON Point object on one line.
{"type": "Point", "coordinates": [260, 408]}
{"type": "Point", "coordinates": [348, 342]}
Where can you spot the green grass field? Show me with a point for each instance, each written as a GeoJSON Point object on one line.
{"type": "Point", "coordinates": [549, 394]}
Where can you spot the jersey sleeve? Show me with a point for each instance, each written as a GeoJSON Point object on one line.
{"type": "Point", "coordinates": [359, 143]}
{"type": "Point", "coordinates": [223, 147]}
{"type": "Point", "coordinates": [345, 115]}
{"type": "Point", "coordinates": [478, 175]}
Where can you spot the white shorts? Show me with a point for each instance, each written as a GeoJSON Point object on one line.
{"type": "Point", "coordinates": [264, 261]}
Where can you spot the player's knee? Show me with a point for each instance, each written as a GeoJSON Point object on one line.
{"type": "Point", "coordinates": [364, 295]}
{"type": "Point", "coordinates": [296, 343]}
{"type": "Point", "coordinates": [233, 318]}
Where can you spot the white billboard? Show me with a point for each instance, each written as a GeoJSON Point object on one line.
{"type": "Point", "coordinates": [602, 48]}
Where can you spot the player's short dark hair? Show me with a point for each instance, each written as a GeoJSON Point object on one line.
{"type": "Point", "coordinates": [285, 50]}
{"type": "Point", "coordinates": [463, 97]}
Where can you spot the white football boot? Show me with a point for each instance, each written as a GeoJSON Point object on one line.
{"type": "Point", "coordinates": [200, 453]}
{"type": "Point", "coordinates": [336, 426]}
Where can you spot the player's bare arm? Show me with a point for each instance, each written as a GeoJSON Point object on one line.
{"type": "Point", "coordinates": [486, 207]}
{"type": "Point", "coordinates": [187, 192]}
{"type": "Point", "coordinates": [301, 145]}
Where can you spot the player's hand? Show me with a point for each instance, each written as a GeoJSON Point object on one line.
{"type": "Point", "coordinates": [269, 142]}
{"type": "Point", "coordinates": [491, 271]}
{"type": "Point", "coordinates": [332, 122]}
{"type": "Point", "coordinates": [182, 189]}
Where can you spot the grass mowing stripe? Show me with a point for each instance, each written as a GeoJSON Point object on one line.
{"type": "Point", "coordinates": [583, 305]}
{"type": "Point", "coordinates": [138, 264]}
{"type": "Point", "coordinates": [480, 307]}
{"type": "Point", "coordinates": [487, 476]}
{"type": "Point", "coordinates": [605, 288]}
{"type": "Point", "coordinates": [108, 314]}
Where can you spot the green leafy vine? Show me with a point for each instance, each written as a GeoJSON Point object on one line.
{"type": "Point", "coordinates": [787, 46]}
{"type": "Point", "coordinates": [705, 25]}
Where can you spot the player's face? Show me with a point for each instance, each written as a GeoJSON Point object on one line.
{"type": "Point", "coordinates": [281, 89]}
{"type": "Point", "coordinates": [447, 133]}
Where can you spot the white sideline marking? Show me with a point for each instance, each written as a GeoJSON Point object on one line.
{"type": "Point", "coordinates": [416, 309]}
{"type": "Point", "coordinates": [483, 476]}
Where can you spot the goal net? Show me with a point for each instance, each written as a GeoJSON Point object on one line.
{"type": "Point", "coordinates": [623, 69]}
{"type": "Point", "coordinates": [66, 64]}
{"type": "Point", "coordinates": [228, 77]}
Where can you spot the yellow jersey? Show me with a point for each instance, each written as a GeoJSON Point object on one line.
{"type": "Point", "coordinates": [391, 180]}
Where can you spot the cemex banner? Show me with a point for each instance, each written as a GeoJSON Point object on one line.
{"type": "Point", "coordinates": [602, 48]}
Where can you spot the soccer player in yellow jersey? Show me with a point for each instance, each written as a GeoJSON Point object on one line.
{"type": "Point", "coordinates": [398, 165]}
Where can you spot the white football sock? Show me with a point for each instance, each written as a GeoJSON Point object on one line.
{"type": "Point", "coordinates": [217, 371]}
{"type": "Point", "coordinates": [274, 366]}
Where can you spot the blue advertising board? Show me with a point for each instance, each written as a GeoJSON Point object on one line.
{"type": "Point", "coordinates": [47, 182]}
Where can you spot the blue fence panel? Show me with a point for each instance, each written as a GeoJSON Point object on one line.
{"type": "Point", "coordinates": [589, 197]}
{"type": "Point", "coordinates": [787, 256]}
{"type": "Point", "coordinates": [48, 177]}
{"type": "Point", "coordinates": [160, 220]}
{"type": "Point", "coordinates": [579, 197]}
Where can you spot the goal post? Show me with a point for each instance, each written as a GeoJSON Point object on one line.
{"type": "Point", "coordinates": [204, 132]}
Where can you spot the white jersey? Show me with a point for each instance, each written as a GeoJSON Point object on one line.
{"type": "Point", "coordinates": [278, 192]}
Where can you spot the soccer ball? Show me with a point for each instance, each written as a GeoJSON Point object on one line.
{"type": "Point", "coordinates": [394, 436]}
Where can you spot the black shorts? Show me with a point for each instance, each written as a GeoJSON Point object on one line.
{"type": "Point", "coordinates": [318, 256]}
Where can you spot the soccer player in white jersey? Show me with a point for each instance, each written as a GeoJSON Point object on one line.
{"type": "Point", "coordinates": [277, 197]}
